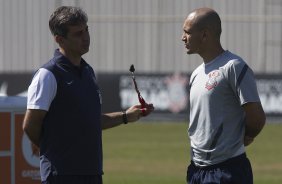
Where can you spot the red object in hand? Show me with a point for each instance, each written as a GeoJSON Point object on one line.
{"type": "Point", "coordinates": [140, 98]}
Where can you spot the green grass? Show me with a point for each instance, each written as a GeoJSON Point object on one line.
{"type": "Point", "coordinates": [266, 155]}
{"type": "Point", "coordinates": [158, 153]}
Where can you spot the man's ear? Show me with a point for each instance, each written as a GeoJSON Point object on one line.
{"type": "Point", "coordinates": [205, 34]}
{"type": "Point", "coordinates": [59, 39]}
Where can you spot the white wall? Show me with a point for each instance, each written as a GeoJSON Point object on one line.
{"type": "Point", "coordinates": [146, 33]}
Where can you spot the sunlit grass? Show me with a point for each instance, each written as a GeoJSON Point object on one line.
{"type": "Point", "coordinates": [158, 153]}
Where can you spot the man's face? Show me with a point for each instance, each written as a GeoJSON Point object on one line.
{"type": "Point", "coordinates": [191, 36]}
{"type": "Point", "coordinates": [77, 40]}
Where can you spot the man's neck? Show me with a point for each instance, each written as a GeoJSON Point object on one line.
{"type": "Point", "coordinates": [74, 59]}
{"type": "Point", "coordinates": [212, 53]}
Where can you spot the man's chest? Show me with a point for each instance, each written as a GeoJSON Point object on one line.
{"type": "Point", "coordinates": [208, 85]}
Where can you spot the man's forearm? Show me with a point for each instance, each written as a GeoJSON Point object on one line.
{"type": "Point", "coordinates": [132, 114]}
{"type": "Point", "coordinates": [110, 120]}
{"type": "Point", "coordinates": [34, 135]}
{"type": "Point", "coordinates": [32, 125]}
{"type": "Point", "coordinates": [255, 119]}
{"type": "Point", "coordinates": [253, 131]}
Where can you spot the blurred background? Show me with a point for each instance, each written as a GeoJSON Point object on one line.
{"type": "Point", "coordinates": [146, 33]}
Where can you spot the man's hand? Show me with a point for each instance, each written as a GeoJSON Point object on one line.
{"type": "Point", "coordinates": [248, 140]}
{"type": "Point", "coordinates": [133, 114]}
{"type": "Point", "coordinates": [136, 111]}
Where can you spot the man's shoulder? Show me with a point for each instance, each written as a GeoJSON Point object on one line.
{"type": "Point", "coordinates": [48, 66]}
{"type": "Point", "coordinates": [56, 66]}
{"type": "Point", "coordinates": [232, 61]}
{"type": "Point", "coordinates": [232, 58]}
{"type": "Point", "coordinates": [198, 70]}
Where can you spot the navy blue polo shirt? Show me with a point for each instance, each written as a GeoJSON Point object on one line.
{"type": "Point", "coordinates": [71, 138]}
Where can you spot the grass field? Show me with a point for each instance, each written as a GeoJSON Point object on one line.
{"type": "Point", "coordinates": [158, 153]}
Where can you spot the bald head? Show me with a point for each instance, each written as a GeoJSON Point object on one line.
{"type": "Point", "coordinates": [206, 18]}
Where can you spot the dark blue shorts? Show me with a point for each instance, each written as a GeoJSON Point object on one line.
{"type": "Point", "coordinates": [236, 170]}
{"type": "Point", "coordinates": [74, 179]}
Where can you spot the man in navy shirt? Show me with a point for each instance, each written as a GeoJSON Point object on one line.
{"type": "Point", "coordinates": [63, 116]}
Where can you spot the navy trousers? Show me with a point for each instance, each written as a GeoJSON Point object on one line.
{"type": "Point", "coordinates": [236, 170]}
{"type": "Point", "coordinates": [74, 179]}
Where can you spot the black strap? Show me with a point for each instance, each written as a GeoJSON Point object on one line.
{"type": "Point", "coordinates": [124, 117]}
{"type": "Point", "coordinates": [242, 74]}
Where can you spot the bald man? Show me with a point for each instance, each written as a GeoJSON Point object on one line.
{"type": "Point", "coordinates": [225, 110]}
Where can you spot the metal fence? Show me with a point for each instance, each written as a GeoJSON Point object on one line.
{"type": "Point", "coordinates": [146, 33]}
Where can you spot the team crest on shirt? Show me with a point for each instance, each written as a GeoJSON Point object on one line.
{"type": "Point", "coordinates": [212, 82]}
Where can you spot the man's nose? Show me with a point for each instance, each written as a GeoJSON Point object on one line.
{"type": "Point", "coordinates": [183, 38]}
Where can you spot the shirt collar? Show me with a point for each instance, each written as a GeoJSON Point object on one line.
{"type": "Point", "coordinates": [63, 60]}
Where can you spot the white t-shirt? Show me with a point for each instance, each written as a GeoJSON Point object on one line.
{"type": "Point", "coordinates": [218, 89]}
{"type": "Point", "coordinates": [42, 90]}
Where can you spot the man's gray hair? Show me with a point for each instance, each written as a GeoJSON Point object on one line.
{"type": "Point", "coordinates": [65, 16]}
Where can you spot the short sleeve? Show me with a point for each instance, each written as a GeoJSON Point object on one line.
{"type": "Point", "coordinates": [242, 81]}
{"type": "Point", "coordinates": [42, 90]}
